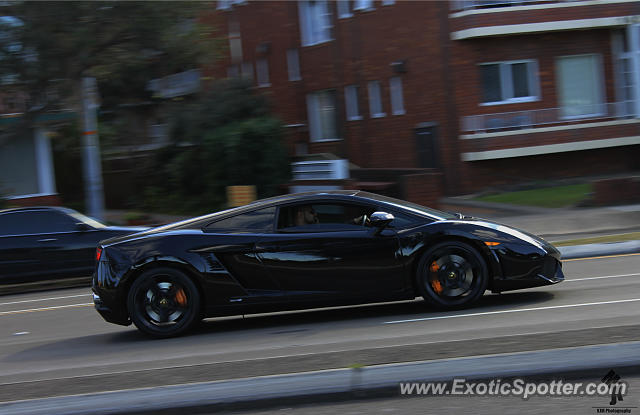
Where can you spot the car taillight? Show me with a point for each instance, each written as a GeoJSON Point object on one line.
{"type": "Point", "coordinates": [98, 254]}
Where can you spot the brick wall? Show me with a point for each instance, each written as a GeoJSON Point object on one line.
{"type": "Point", "coordinates": [441, 84]}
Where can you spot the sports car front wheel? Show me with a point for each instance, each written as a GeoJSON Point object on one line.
{"type": "Point", "coordinates": [452, 275]}
{"type": "Point", "coordinates": [163, 302]}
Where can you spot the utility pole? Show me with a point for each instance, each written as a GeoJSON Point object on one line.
{"type": "Point", "coordinates": [94, 195]}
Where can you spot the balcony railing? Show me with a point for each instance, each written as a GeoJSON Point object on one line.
{"type": "Point", "coordinates": [459, 5]}
{"type": "Point", "coordinates": [506, 121]}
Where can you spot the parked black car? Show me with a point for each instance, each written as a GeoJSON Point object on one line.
{"type": "Point", "coordinates": [38, 243]}
{"type": "Point", "coordinates": [311, 250]}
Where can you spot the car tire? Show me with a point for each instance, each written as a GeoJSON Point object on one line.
{"type": "Point", "coordinates": [451, 275]}
{"type": "Point", "coordinates": [163, 302]}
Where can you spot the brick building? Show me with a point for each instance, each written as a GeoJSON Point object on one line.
{"type": "Point", "coordinates": [420, 96]}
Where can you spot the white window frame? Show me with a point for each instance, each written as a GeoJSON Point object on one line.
{"type": "Point", "coordinates": [376, 109]}
{"type": "Point", "coordinates": [293, 65]}
{"type": "Point", "coordinates": [364, 5]}
{"type": "Point", "coordinates": [506, 82]}
{"type": "Point", "coordinates": [598, 83]}
{"type": "Point", "coordinates": [316, 134]}
{"type": "Point", "coordinates": [351, 102]}
{"type": "Point", "coordinates": [262, 72]}
{"type": "Point", "coordinates": [315, 22]}
{"type": "Point", "coordinates": [397, 96]}
{"type": "Point", "coordinates": [344, 9]}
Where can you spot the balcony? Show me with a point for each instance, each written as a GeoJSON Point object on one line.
{"type": "Point", "coordinates": [473, 19]}
{"type": "Point", "coordinates": [460, 5]}
{"type": "Point", "coordinates": [532, 119]}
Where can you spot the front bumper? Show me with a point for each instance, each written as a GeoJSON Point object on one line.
{"type": "Point", "coordinates": [524, 267]}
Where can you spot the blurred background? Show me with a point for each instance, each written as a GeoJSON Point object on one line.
{"type": "Point", "coordinates": [161, 107]}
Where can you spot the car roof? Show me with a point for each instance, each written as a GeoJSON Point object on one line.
{"type": "Point", "coordinates": [345, 195]}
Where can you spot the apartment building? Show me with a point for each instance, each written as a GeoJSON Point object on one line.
{"type": "Point", "coordinates": [420, 96]}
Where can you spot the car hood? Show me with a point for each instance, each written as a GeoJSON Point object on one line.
{"type": "Point", "coordinates": [490, 230]}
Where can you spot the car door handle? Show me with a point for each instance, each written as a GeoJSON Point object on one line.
{"type": "Point", "coordinates": [47, 240]}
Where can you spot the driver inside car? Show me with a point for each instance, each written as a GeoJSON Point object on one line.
{"type": "Point", "coordinates": [306, 215]}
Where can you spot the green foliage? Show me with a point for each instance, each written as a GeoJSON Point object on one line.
{"type": "Point", "coordinates": [225, 138]}
{"type": "Point", "coordinates": [123, 44]}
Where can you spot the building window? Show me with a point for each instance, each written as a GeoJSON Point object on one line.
{"type": "Point", "coordinates": [579, 83]}
{"type": "Point", "coordinates": [509, 82]}
{"type": "Point", "coordinates": [293, 65]}
{"type": "Point", "coordinates": [262, 72]}
{"type": "Point", "coordinates": [247, 70]}
{"type": "Point", "coordinates": [351, 97]}
{"type": "Point", "coordinates": [375, 100]}
{"type": "Point", "coordinates": [397, 101]}
{"type": "Point", "coordinates": [321, 108]}
{"type": "Point", "coordinates": [388, 2]}
{"type": "Point", "coordinates": [315, 22]}
{"type": "Point", "coordinates": [363, 5]}
{"type": "Point", "coordinates": [344, 9]}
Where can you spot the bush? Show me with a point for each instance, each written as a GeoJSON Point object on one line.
{"type": "Point", "coordinates": [225, 138]}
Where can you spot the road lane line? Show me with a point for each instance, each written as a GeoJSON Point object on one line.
{"type": "Point", "coordinates": [486, 313]}
{"type": "Point", "coordinates": [605, 276]}
{"type": "Point", "coordinates": [33, 310]}
{"type": "Point", "coordinates": [598, 257]}
{"type": "Point", "coordinates": [46, 299]}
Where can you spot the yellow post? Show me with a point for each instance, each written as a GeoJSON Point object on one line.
{"type": "Point", "coordinates": [240, 195]}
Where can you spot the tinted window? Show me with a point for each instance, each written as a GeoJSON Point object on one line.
{"type": "Point", "coordinates": [257, 221]}
{"type": "Point", "coordinates": [320, 215]}
{"type": "Point", "coordinates": [35, 222]}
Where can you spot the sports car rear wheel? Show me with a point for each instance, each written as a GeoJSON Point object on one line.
{"type": "Point", "coordinates": [452, 275]}
{"type": "Point", "coordinates": [163, 302]}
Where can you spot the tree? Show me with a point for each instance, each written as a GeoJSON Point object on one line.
{"type": "Point", "coordinates": [50, 46]}
{"type": "Point", "coordinates": [47, 48]}
{"type": "Point", "coordinates": [226, 137]}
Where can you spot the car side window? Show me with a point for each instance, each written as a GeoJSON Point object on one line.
{"type": "Point", "coordinates": [35, 222]}
{"type": "Point", "coordinates": [256, 221]}
{"type": "Point", "coordinates": [318, 217]}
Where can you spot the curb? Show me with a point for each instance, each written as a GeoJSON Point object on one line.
{"type": "Point", "coordinates": [212, 395]}
{"type": "Point", "coordinates": [599, 249]}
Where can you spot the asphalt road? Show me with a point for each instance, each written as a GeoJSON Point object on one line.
{"type": "Point", "coordinates": [53, 343]}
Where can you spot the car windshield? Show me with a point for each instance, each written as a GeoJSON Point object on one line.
{"type": "Point", "coordinates": [414, 207]}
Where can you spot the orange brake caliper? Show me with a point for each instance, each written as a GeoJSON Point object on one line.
{"type": "Point", "coordinates": [181, 297]}
{"type": "Point", "coordinates": [435, 282]}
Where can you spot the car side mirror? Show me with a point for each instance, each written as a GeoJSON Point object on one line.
{"type": "Point", "coordinates": [380, 220]}
{"type": "Point", "coordinates": [81, 226]}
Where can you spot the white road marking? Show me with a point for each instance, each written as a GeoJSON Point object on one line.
{"type": "Point", "coordinates": [486, 313]}
{"type": "Point", "coordinates": [33, 310]}
{"type": "Point", "coordinates": [21, 333]}
{"type": "Point", "coordinates": [46, 299]}
{"type": "Point", "coordinates": [604, 276]}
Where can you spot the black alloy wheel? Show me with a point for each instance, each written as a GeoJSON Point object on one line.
{"type": "Point", "coordinates": [163, 302]}
{"type": "Point", "coordinates": [452, 275]}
